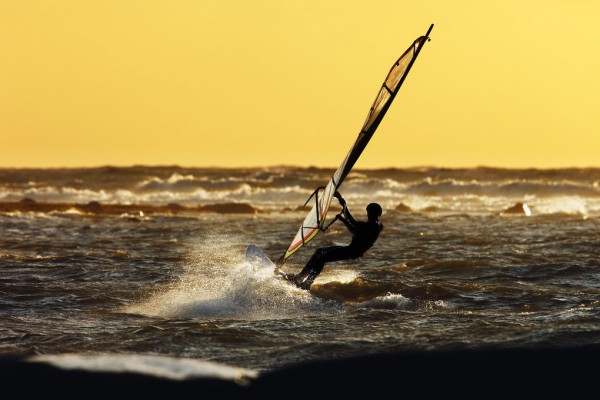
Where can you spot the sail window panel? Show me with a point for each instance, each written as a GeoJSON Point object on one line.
{"type": "Point", "coordinates": [382, 98]}
{"type": "Point", "coordinates": [397, 72]}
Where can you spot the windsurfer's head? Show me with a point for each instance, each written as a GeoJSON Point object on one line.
{"type": "Point", "coordinates": [374, 210]}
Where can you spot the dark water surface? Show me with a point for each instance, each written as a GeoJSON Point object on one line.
{"type": "Point", "coordinates": [453, 268]}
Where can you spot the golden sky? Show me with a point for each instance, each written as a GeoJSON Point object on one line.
{"type": "Point", "coordinates": [233, 83]}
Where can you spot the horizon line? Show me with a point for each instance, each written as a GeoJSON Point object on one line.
{"type": "Point", "coordinates": [291, 166]}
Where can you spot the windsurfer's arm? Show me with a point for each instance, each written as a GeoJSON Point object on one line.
{"type": "Point", "coordinates": [350, 224]}
{"type": "Point", "coordinates": [345, 212]}
{"type": "Point", "coordinates": [341, 200]}
{"type": "Point", "coordinates": [345, 215]}
{"type": "Point", "coordinates": [349, 217]}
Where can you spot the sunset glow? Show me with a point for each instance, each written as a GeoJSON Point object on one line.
{"type": "Point", "coordinates": [243, 83]}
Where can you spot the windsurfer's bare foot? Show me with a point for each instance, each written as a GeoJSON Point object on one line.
{"type": "Point", "coordinates": [304, 285]}
{"type": "Point", "coordinates": [290, 277]}
{"type": "Point", "coordinates": [287, 277]}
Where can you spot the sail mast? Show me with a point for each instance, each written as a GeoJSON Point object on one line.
{"type": "Point", "coordinates": [372, 127]}
{"type": "Point", "coordinates": [379, 118]}
{"type": "Point", "coordinates": [315, 221]}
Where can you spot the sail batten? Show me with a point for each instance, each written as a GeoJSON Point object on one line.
{"type": "Point", "coordinates": [315, 221]}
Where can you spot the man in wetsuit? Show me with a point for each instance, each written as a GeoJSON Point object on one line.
{"type": "Point", "coordinates": [364, 235]}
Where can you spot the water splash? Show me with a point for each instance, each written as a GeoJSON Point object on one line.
{"type": "Point", "coordinates": [214, 286]}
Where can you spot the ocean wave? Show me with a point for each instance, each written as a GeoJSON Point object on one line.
{"type": "Point", "coordinates": [30, 206]}
{"type": "Point", "coordinates": [558, 207]}
{"type": "Point", "coordinates": [477, 190]}
{"type": "Point", "coordinates": [451, 187]}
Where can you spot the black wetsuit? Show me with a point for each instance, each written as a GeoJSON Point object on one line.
{"type": "Point", "coordinates": [364, 235]}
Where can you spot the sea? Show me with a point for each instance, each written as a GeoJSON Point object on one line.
{"type": "Point", "coordinates": [150, 261]}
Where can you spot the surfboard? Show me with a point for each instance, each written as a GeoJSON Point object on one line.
{"type": "Point", "coordinates": [255, 256]}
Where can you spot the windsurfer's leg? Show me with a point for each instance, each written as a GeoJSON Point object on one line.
{"type": "Point", "coordinates": [309, 273]}
{"type": "Point", "coordinates": [315, 265]}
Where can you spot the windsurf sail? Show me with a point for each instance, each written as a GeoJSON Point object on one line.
{"type": "Point", "coordinates": [316, 220]}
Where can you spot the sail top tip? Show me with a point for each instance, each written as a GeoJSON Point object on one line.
{"type": "Point", "coordinates": [429, 31]}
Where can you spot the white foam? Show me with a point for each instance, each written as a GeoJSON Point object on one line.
{"type": "Point", "coordinates": [338, 275]}
{"type": "Point", "coordinates": [159, 366]}
{"type": "Point", "coordinates": [390, 300]}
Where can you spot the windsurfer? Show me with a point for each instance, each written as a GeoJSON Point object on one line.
{"type": "Point", "coordinates": [364, 235]}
